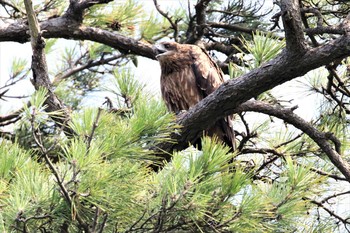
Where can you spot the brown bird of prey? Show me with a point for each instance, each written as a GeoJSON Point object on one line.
{"type": "Point", "coordinates": [188, 75]}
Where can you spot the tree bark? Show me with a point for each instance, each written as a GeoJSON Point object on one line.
{"type": "Point", "coordinates": [40, 71]}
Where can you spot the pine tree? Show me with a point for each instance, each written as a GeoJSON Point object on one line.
{"type": "Point", "coordinates": [124, 163]}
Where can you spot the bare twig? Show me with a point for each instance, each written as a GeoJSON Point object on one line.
{"type": "Point", "coordinates": [326, 199]}
{"type": "Point", "coordinates": [170, 20]}
{"type": "Point", "coordinates": [319, 137]}
{"type": "Point", "coordinates": [87, 65]}
{"type": "Point", "coordinates": [329, 211]}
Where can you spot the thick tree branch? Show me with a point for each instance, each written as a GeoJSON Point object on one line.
{"type": "Point", "coordinates": [39, 68]}
{"type": "Point", "coordinates": [295, 41]}
{"type": "Point", "coordinates": [325, 30]}
{"type": "Point", "coordinates": [231, 94]}
{"type": "Point", "coordinates": [198, 33]}
{"type": "Point", "coordinates": [64, 27]}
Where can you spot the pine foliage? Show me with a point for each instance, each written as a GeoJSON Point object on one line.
{"type": "Point", "coordinates": [101, 179]}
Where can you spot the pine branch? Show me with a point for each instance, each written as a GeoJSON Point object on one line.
{"type": "Point", "coordinates": [39, 69]}
{"type": "Point", "coordinates": [38, 140]}
{"type": "Point", "coordinates": [89, 64]}
{"type": "Point", "coordinates": [319, 137]}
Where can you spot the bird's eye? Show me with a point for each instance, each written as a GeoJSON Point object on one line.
{"type": "Point", "coordinates": [166, 46]}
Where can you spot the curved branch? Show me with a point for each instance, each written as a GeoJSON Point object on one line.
{"type": "Point", "coordinates": [226, 99]}
{"type": "Point", "coordinates": [89, 64]}
{"type": "Point", "coordinates": [67, 28]}
{"type": "Point", "coordinates": [319, 137]}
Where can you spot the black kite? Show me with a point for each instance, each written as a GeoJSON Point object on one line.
{"type": "Point", "coordinates": [188, 74]}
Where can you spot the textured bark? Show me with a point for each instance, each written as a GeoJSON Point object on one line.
{"type": "Point", "coordinates": [292, 24]}
{"type": "Point", "coordinates": [68, 28]}
{"type": "Point", "coordinates": [40, 71]}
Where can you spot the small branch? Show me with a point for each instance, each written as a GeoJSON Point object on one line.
{"type": "Point", "coordinates": [326, 199]}
{"type": "Point", "coordinates": [226, 49]}
{"type": "Point", "coordinates": [15, 9]}
{"type": "Point", "coordinates": [316, 12]}
{"type": "Point", "coordinates": [306, 25]}
{"type": "Point", "coordinates": [319, 137]}
{"type": "Point", "coordinates": [103, 224]}
{"type": "Point", "coordinates": [263, 151]}
{"type": "Point", "coordinates": [76, 9]}
{"type": "Point", "coordinates": [38, 141]}
{"type": "Point", "coordinates": [200, 8]}
{"type": "Point", "coordinates": [231, 27]}
{"type": "Point", "coordinates": [340, 29]}
{"type": "Point", "coordinates": [329, 211]}
{"type": "Point", "coordinates": [170, 20]}
{"type": "Point", "coordinates": [322, 173]}
{"type": "Point", "coordinates": [248, 136]}
{"type": "Point", "coordinates": [12, 117]}
{"type": "Point", "coordinates": [59, 180]}
{"type": "Point", "coordinates": [289, 141]}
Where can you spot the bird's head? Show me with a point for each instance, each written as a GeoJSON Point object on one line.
{"type": "Point", "coordinates": [165, 49]}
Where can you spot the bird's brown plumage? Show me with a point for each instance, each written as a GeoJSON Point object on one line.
{"type": "Point", "coordinates": [188, 74]}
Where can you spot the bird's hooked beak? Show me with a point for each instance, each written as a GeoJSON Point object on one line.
{"type": "Point", "coordinates": [159, 50]}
